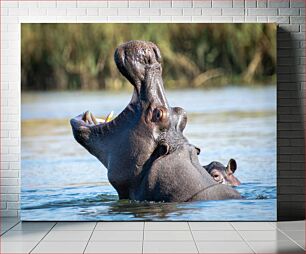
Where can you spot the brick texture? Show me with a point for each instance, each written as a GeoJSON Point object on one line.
{"type": "Point", "coordinates": [289, 14]}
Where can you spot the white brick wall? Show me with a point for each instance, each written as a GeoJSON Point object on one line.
{"type": "Point", "coordinates": [288, 13]}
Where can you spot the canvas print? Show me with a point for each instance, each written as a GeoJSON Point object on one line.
{"type": "Point", "coordinates": [148, 122]}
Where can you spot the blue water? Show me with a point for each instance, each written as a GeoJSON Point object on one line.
{"type": "Point", "coordinates": [62, 181]}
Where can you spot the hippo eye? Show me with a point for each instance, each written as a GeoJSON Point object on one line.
{"type": "Point", "coordinates": [159, 114]}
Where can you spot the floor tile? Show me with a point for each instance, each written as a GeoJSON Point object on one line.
{"type": "Point", "coordinates": [125, 236]}
{"type": "Point", "coordinates": [291, 225]}
{"type": "Point", "coordinates": [301, 243]}
{"type": "Point", "coordinates": [276, 247]}
{"type": "Point", "coordinates": [9, 224]}
{"type": "Point", "coordinates": [273, 224]}
{"type": "Point", "coordinates": [60, 247]}
{"type": "Point", "coordinates": [22, 236]}
{"type": "Point", "coordinates": [168, 236]}
{"type": "Point", "coordinates": [120, 226]}
{"type": "Point", "coordinates": [223, 247]}
{"type": "Point", "coordinates": [296, 235]}
{"type": "Point", "coordinates": [169, 247]}
{"type": "Point", "coordinates": [258, 235]}
{"type": "Point", "coordinates": [17, 247]}
{"type": "Point", "coordinates": [216, 236]}
{"type": "Point", "coordinates": [211, 226]}
{"type": "Point", "coordinates": [114, 247]}
{"type": "Point", "coordinates": [3, 230]}
{"type": "Point", "coordinates": [34, 226]}
{"type": "Point", "coordinates": [253, 226]}
{"type": "Point", "coordinates": [74, 226]}
{"type": "Point", "coordinates": [5, 226]}
{"type": "Point", "coordinates": [69, 236]}
{"type": "Point", "coordinates": [166, 226]}
{"type": "Point", "coordinates": [6, 220]}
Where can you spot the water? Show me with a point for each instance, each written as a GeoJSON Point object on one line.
{"type": "Point", "coordinates": [62, 181]}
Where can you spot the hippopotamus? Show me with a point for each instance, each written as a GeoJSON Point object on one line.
{"type": "Point", "coordinates": [144, 150]}
{"type": "Point", "coordinates": [222, 174]}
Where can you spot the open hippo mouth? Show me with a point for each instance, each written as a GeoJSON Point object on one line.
{"type": "Point", "coordinates": [143, 148]}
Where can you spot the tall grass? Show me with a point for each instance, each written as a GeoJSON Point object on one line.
{"type": "Point", "coordinates": [80, 56]}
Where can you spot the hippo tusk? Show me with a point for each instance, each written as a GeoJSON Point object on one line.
{"type": "Point", "coordinates": [87, 117]}
{"type": "Point", "coordinates": [109, 117]}
{"type": "Point", "coordinates": [94, 119]}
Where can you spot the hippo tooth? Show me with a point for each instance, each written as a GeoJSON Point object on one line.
{"type": "Point", "coordinates": [85, 116]}
{"type": "Point", "coordinates": [88, 117]}
{"type": "Point", "coordinates": [109, 117]}
{"type": "Point", "coordinates": [93, 119]}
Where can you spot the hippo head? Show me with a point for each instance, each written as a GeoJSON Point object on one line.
{"type": "Point", "coordinates": [222, 174]}
{"type": "Point", "coordinates": [143, 148]}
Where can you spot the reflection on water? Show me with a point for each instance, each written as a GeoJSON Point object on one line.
{"type": "Point", "coordinates": [62, 181]}
{"type": "Point", "coordinates": [101, 203]}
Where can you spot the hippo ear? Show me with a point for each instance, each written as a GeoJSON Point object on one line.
{"type": "Point", "coordinates": [231, 166]}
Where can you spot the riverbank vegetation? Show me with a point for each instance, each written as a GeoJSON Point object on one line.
{"type": "Point", "coordinates": [80, 56]}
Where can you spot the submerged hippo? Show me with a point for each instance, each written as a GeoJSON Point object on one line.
{"type": "Point", "coordinates": [222, 174]}
{"type": "Point", "coordinates": [143, 148]}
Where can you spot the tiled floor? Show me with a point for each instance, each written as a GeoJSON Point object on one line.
{"type": "Point", "coordinates": [152, 237]}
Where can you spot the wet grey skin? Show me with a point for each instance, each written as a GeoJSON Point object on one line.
{"type": "Point", "coordinates": [143, 148]}
{"type": "Point", "coordinates": [222, 174]}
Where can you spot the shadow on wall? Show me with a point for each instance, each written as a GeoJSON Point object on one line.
{"type": "Point", "coordinates": [290, 131]}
